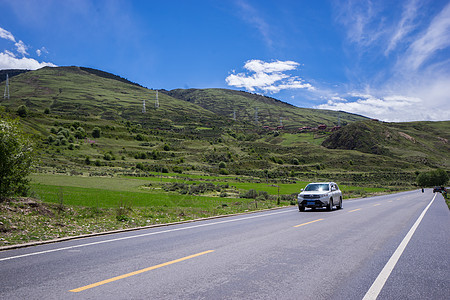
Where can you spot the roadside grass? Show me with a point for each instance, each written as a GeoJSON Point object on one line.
{"type": "Point", "coordinates": [64, 205]}
{"type": "Point", "coordinates": [127, 186]}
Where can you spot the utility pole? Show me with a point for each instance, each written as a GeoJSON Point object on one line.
{"type": "Point", "coordinates": [156, 101]}
{"type": "Point", "coordinates": [6, 94]}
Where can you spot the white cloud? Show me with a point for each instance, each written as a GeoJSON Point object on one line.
{"type": "Point", "coordinates": [42, 50]}
{"type": "Point", "coordinates": [4, 34]}
{"type": "Point", "coordinates": [21, 48]}
{"type": "Point", "coordinates": [405, 25]}
{"type": "Point", "coordinates": [360, 19]}
{"type": "Point", "coordinates": [436, 37]}
{"type": "Point", "coordinates": [9, 61]}
{"type": "Point", "coordinates": [268, 77]}
{"type": "Point", "coordinates": [393, 108]}
{"type": "Point", "coordinates": [258, 66]}
{"type": "Point", "coordinates": [410, 80]}
{"type": "Point", "coordinates": [250, 15]}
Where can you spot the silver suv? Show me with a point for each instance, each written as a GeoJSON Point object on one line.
{"type": "Point", "coordinates": [320, 194]}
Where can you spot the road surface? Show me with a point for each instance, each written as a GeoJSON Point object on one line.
{"type": "Point", "coordinates": [386, 247]}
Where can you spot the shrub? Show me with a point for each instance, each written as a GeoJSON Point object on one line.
{"type": "Point", "coordinates": [16, 157]}
{"type": "Point", "coordinates": [50, 139]}
{"type": "Point", "coordinates": [80, 133]}
{"type": "Point", "coordinates": [22, 111]}
{"type": "Point", "coordinates": [96, 132]}
{"type": "Point", "coordinates": [250, 194]}
{"type": "Point", "coordinates": [432, 178]}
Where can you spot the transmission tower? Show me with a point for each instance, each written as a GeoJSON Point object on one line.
{"type": "Point", "coordinates": [156, 101]}
{"type": "Point", "coordinates": [6, 94]}
{"type": "Point", "coordinates": [143, 106]}
{"type": "Point", "coordinates": [281, 121]}
{"type": "Point", "coordinates": [256, 115]}
{"type": "Point", "coordinates": [234, 114]}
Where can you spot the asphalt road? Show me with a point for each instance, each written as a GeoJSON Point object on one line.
{"type": "Point", "coordinates": [280, 254]}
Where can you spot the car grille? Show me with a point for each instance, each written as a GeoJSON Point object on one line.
{"type": "Point", "coordinates": [311, 196]}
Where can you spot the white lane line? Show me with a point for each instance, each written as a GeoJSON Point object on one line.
{"type": "Point", "coordinates": [378, 284]}
{"type": "Point", "coordinates": [142, 235]}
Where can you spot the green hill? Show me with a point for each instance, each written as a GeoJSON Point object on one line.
{"type": "Point", "coordinates": [416, 142]}
{"type": "Point", "coordinates": [194, 131]}
{"type": "Point", "coordinates": [270, 112]}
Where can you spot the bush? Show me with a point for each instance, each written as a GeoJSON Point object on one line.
{"type": "Point", "coordinates": [80, 133]}
{"type": "Point", "coordinates": [250, 194]}
{"type": "Point", "coordinates": [96, 132]}
{"type": "Point", "coordinates": [432, 178]}
{"type": "Point", "coordinates": [16, 157]}
{"type": "Point", "coordinates": [22, 111]}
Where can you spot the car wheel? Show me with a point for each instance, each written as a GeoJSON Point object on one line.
{"type": "Point", "coordinates": [301, 208]}
{"type": "Point", "coordinates": [330, 205]}
{"type": "Point", "coordinates": [340, 204]}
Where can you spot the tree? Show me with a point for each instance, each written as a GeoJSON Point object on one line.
{"type": "Point", "coordinates": [16, 159]}
{"type": "Point", "coordinates": [22, 111]}
{"type": "Point", "coordinates": [96, 132]}
{"type": "Point", "coordinates": [437, 177]}
{"type": "Point", "coordinates": [80, 133]}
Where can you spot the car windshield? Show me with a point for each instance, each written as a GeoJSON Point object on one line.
{"type": "Point", "coordinates": [319, 187]}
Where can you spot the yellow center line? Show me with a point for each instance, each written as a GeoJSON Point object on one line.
{"type": "Point", "coordinates": [308, 223]}
{"type": "Point", "coordinates": [80, 289]}
{"type": "Point", "coordinates": [355, 210]}
{"type": "Point", "coordinates": [377, 204]}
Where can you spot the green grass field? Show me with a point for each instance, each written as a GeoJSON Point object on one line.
{"type": "Point", "coordinates": [107, 192]}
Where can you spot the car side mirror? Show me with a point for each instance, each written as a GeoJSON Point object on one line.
{"type": "Point", "coordinates": [302, 190]}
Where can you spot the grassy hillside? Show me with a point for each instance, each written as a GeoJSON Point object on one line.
{"type": "Point", "coordinates": [71, 92]}
{"type": "Point", "coordinates": [193, 132]}
{"type": "Point", "coordinates": [270, 112]}
{"type": "Point", "coordinates": [420, 143]}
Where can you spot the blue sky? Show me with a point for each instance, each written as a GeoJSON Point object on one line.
{"type": "Point", "coordinates": [388, 60]}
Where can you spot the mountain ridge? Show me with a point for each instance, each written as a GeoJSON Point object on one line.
{"type": "Point", "coordinates": [195, 131]}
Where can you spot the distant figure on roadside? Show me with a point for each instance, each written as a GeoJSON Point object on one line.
{"type": "Point", "coordinates": [422, 190]}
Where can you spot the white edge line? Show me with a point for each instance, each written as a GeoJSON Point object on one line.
{"type": "Point", "coordinates": [141, 235]}
{"type": "Point", "coordinates": [379, 282]}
